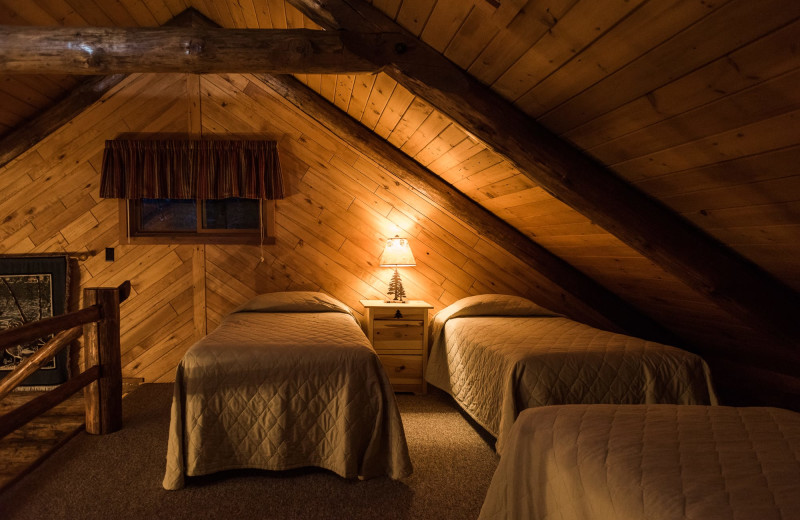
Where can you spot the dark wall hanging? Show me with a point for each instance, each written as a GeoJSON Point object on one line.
{"type": "Point", "coordinates": [32, 288]}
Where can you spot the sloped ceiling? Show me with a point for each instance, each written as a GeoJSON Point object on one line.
{"type": "Point", "coordinates": [693, 102]}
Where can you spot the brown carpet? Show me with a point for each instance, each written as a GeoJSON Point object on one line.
{"type": "Point", "coordinates": [118, 476]}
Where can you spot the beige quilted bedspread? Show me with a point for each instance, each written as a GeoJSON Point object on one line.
{"type": "Point", "coordinates": [275, 390]}
{"type": "Point", "coordinates": [497, 355]}
{"type": "Point", "coordinates": [654, 462]}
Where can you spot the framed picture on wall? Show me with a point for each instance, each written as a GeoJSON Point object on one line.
{"type": "Point", "coordinates": [33, 288]}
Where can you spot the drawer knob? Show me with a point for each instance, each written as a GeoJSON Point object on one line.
{"type": "Point", "coordinates": [400, 368]}
{"type": "Point", "coordinates": [398, 314]}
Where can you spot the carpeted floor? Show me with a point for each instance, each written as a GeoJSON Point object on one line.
{"type": "Point", "coordinates": [118, 476]}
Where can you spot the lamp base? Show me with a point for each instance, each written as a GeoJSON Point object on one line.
{"type": "Point", "coordinates": [396, 289]}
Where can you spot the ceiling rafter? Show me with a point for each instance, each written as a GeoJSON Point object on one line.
{"type": "Point", "coordinates": [723, 276]}
{"type": "Point", "coordinates": [590, 300]}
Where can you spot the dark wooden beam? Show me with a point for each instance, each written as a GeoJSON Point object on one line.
{"type": "Point", "coordinates": [578, 295]}
{"type": "Point", "coordinates": [740, 287]}
{"type": "Point", "coordinates": [48, 121]}
{"type": "Point", "coordinates": [199, 50]}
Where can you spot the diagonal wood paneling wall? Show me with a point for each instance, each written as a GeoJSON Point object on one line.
{"type": "Point", "coordinates": [330, 229]}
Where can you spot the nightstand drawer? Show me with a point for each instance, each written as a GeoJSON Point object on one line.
{"type": "Point", "coordinates": [411, 313]}
{"type": "Point", "coordinates": [398, 334]}
{"type": "Point", "coordinates": [403, 370]}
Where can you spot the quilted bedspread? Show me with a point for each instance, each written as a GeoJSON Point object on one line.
{"type": "Point", "coordinates": [498, 355]}
{"type": "Point", "coordinates": [654, 462]}
{"type": "Point", "coordinates": [278, 390]}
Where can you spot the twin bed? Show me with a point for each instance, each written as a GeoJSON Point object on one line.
{"type": "Point", "coordinates": [659, 462]}
{"type": "Point", "coordinates": [498, 355]}
{"type": "Point", "coordinates": [287, 380]}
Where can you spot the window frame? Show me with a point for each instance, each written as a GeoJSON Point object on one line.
{"type": "Point", "coordinates": [129, 211]}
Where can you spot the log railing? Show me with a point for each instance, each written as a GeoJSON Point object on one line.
{"type": "Point", "coordinates": [101, 378]}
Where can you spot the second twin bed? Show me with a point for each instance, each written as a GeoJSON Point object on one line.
{"type": "Point", "coordinates": [498, 355]}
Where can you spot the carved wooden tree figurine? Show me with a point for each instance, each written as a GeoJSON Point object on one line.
{"type": "Point", "coordinates": [396, 287]}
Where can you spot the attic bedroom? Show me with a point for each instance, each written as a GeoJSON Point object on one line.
{"type": "Point", "coordinates": [538, 231]}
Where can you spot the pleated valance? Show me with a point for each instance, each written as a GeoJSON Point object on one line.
{"type": "Point", "coordinates": [191, 169]}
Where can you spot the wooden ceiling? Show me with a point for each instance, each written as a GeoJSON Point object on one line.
{"type": "Point", "coordinates": [695, 103]}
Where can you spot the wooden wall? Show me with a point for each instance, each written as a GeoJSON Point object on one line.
{"type": "Point", "coordinates": [330, 229]}
{"type": "Point", "coordinates": [694, 102]}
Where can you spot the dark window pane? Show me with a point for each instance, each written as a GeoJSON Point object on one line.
{"type": "Point", "coordinates": [168, 215]}
{"type": "Point", "coordinates": [231, 214]}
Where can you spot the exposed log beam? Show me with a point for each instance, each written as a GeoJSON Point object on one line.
{"type": "Point", "coordinates": [201, 50]}
{"type": "Point", "coordinates": [76, 101]}
{"type": "Point", "coordinates": [743, 289]}
{"type": "Point", "coordinates": [579, 295]}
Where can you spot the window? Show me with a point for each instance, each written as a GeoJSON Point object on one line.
{"type": "Point", "coordinates": [223, 221]}
{"type": "Point", "coordinates": [193, 191]}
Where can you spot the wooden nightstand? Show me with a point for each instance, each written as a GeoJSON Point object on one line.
{"type": "Point", "coordinates": [399, 333]}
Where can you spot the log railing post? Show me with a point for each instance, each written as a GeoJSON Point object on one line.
{"type": "Point", "coordinates": [104, 396]}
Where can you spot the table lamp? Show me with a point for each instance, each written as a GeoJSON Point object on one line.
{"type": "Point", "coordinates": [397, 253]}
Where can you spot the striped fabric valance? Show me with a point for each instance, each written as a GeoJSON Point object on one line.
{"type": "Point", "coordinates": [191, 169]}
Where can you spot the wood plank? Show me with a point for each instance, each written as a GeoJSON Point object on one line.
{"type": "Point", "coordinates": [457, 155]}
{"type": "Point", "coordinates": [577, 29]}
{"type": "Point", "coordinates": [442, 145]}
{"type": "Point", "coordinates": [379, 95]}
{"type": "Point", "coordinates": [472, 38]}
{"type": "Point", "coordinates": [707, 40]}
{"type": "Point", "coordinates": [395, 108]}
{"type": "Point", "coordinates": [413, 14]}
{"type": "Point", "coordinates": [524, 31]}
{"type": "Point", "coordinates": [767, 57]}
{"type": "Point", "coordinates": [615, 49]}
{"type": "Point", "coordinates": [344, 90]}
{"type": "Point", "coordinates": [277, 11]}
{"type": "Point", "coordinates": [444, 21]}
{"type": "Point", "coordinates": [414, 116]}
{"type": "Point", "coordinates": [760, 137]}
{"type": "Point", "coordinates": [262, 14]}
{"type": "Point", "coordinates": [362, 88]}
{"type": "Point", "coordinates": [773, 164]}
{"type": "Point", "coordinates": [747, 107]}
{"type": "Point", "coordinates": [435, 123]}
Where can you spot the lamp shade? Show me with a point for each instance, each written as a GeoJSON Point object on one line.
{"type": "Point", "coordinates": [397, 253]}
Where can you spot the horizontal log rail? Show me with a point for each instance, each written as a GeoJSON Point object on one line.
{"type": "Point", "coordinates": [33, 362]}
{"type": "Point", "coordinates": [46, 326]}
{"type": "Point", "coordinates": [34, 408]}
{"type": "Point", "coordinates": [99, 324]}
